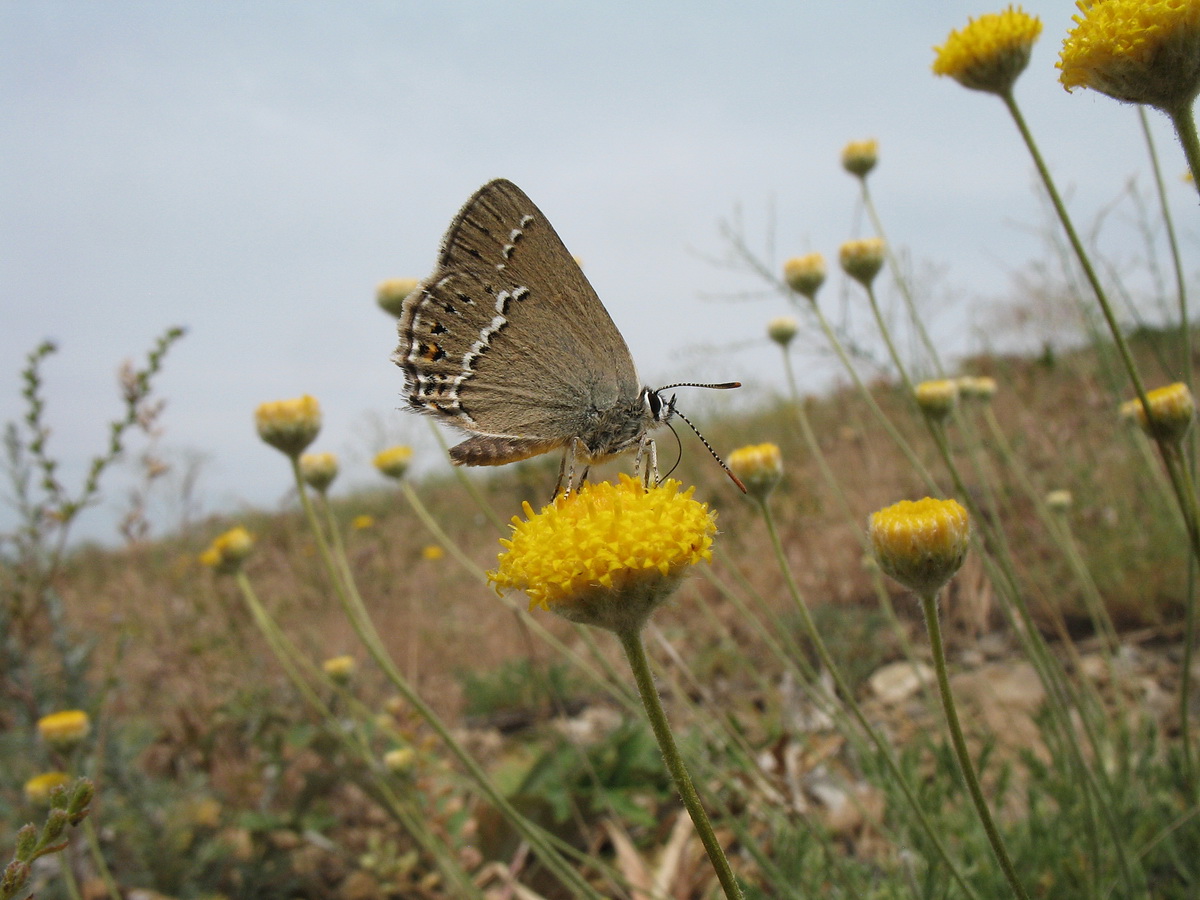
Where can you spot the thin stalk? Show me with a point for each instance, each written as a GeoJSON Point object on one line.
{"type": "Point", "coordinates": [546, 847]}
{"type": "Point", "coordinates": [93, 842]}
{"type": "Point", "coordinates": [635, 652]}
{"type": "Point", "coordinates": [929, 605]}
{"type": "Point", "coordinates": [1185, 129]}
{"type": "Point", "coordinates": [847, 695]}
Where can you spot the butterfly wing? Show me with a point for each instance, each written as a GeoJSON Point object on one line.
{"type": "Point", "coordinates": [508, 340]}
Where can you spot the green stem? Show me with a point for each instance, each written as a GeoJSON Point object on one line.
{"type": "Point", "coordinates": [847, 696]}
{"type": "Point", "coordinates": [929, 604]}
{"type": "Point", "coordinates": [1077, 245]}
{"type": "Point", "coordinates": [539, 840]}
{"type": "Point", "coordinates": [635, 652]}
{"type": "Point", "coordinates": [93, 842]}
{"type": "Point", "coordinates": [1185, 128]}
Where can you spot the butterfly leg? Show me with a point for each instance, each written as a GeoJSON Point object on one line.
{"type": "Point", "coordinates": [647, 454]}
{"type": "Point", "coordinates": [566, 469]}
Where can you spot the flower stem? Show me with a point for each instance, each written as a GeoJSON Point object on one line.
{"type": "Point", "coordinates": [1185, 128]}
{"type": "Point", "coordinates": [635, 652]}
{"type": "Point", "coordinates": [929, 605]}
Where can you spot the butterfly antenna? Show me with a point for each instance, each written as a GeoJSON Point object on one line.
{"type": "Point", "coordinates": [678, 447]}
{"type": "Point", "coordinates": [704, 440]}
{"type": "Point", "coordinates": [723, 386]}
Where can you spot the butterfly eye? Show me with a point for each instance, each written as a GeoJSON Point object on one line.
{"type": "Point", "coordinates": [654, 402]}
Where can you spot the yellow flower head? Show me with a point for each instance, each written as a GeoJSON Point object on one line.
{"type": "Point", "coordinates": [862, 259]}
{"type": "Point", "coordinates": [1138, 51]}
{"type": "Point", "coordinates": [391, 293]}
{"type": "Point", "coordinates": [228, 551]}
{"type": "Point", "coordinates": [340, 668]}
{"type": "Point", "coordinates": [1172, 409]}
{"type": "Point", "coordinates": [859, 157]}
{"type": "Point", "coordinates": [805, 274]}
{"type": "Point", "coordinates": [432, 552]}
{"type": "Point", "coordinates": [973, 387]}
{"type": "Point", "coordinates": [39, 788]}
{"type": "Point", "coordinates": [782, 329]}
{"type": "Point", "coordinates": [937, 398]}
{"type": "Point", "coordinates": [318, 470]}
{"type": "Point", "coordinates": [1059, 501]}
{"type": "Point", "coordinates": [990, 52]}
{"type": "Point", "coordinates": [362, 523]}
{"type": "Point", "coordinates": [608, 554]}
{"type": "Point", "coordinates": [760, 466]}
{"type": "Point", "coordinates": [393, 462]}
{"type": "Point", "coordinates": [64, 730]}
{"type": "Point", "coordinates": [921, 544]}
{"type": "Point", "coordinates": [289, 425]}
{"type": "Point", "coordinates": [400, 760]}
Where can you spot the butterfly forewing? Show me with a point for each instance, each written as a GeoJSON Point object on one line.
{"type": "Point", "coordinates": [507, 337]}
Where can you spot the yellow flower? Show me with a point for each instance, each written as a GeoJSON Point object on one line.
{"type": "Point", "coordinates": [391, 293]}
{"type": "Point", "coordinates": [972, 387]}
{"type": "Point", "coordinates": [937, 398]}
{"type": "Point", "coordinates": [859, 157]}
{"type": "Point", "coordinates": [393, 462]}
{"type": "Point", "coordinates": [608, 554]}
{"type": "Point", "coordinates": [228, 551]}
{"type": "Point", "coordinates": [760, 466]}
{"type": "Point", "coordinates": [1138, 51]}
{"type": "Point", "coordinates": [922, 543]}
{"type": "Point", "coordinates": [862, 259]}
{"type": "Point", "coordinates": [362, 523]}
{"type": "Point", "coordinates": [990, 52]}
{"type": "Point", "coordinates": [399, 760]}
{"type": "Point", "coordinates": [782, 329]}
{"type": "Point", "coordinates": [432, 552]}
{"type": "Point", "coordinates": [318, 470]}
{"type": "Point", "coordinates": [340, 668]}
{"type": "Point", "coordinates": [805, 274]}
{"type": "Point", "coordinates": [289, 425]}
{"type": "Point", "coordinates": [1059, 501]}
{"type": "Point", "coordinates": [1172, 409]}
{"type": "Point", "coordinates": [39, 788]}
{"type": "Point", "coordinates": [64, 730]}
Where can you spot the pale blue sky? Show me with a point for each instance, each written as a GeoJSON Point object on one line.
{"type": "Point", "coordinates": [251, 171]}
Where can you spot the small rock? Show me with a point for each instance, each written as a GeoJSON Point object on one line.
{"type": "Point", "coordinates": [898, 681]}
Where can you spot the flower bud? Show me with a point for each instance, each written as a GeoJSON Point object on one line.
{"type": "Point", "coordinates": [390, 294]}
{"type": "Point", "coordinates": [760, 466]}
{"type": "Point", "coordinates": [862, 259]}
{"type": "Point", "coordinates": [64, 730]}
{"type": "Point", "coordinates": [859, 157]}
{"type": "Point", "coordinates": [805, 274]}
{"type": "Point", "coordinates": [921, 544]}
{"type": "Point", "coordinates": [393, 462]}
{"type": "Point", "coordinates": [318, 470]}
{"type": "Point", "coordinates": [937, 398]}
{"type": "Point", "coordinates": [289, 425]}
{"type": "Point", "coordinates": [782, 329]}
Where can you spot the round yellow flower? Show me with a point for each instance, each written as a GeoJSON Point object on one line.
{"type": "Point", "coordinates": [362, 523]}
{"type": "Point", "coordinates": [805, 274]}
{"type": "Point", "coordinates": [862, 259]}
{"type": "Point", "coordinates": [64, 730]}
{"type": "Point", "coordinates": [432, 552]}
{"type": "Point", "coordinates": [608, 554]}
{"type": "Point", "coordinates": [318, 470]}
{"type": "Point", "coordinates": [1059, 501]}
{"type": "Point", "coordinates": [391, 293]}
{"type": "Point", "coordinates": [289, 425]}
{"type": "Point", "coordinates": [400, 760]}
{"type": "Point", "coordinates": [937, 398]}
{"type": "Point", "coordinates": [1172, 409]}
{"type": "Point", "coordinates": [340, 668]}
{"type": "Point", "coordinates": [394, 461]}
{"type": "Point", "coordinates": [921, 543]}
{"type": "Point", "coordinates": [990, 52]}
{"type": "Point", "coordinates": [228, 551]}
{"type": "Point", "coordinates": [39, 788]}
{"type": "Point", "coordinates": [760, 466]}
{"type": "Point", "coordinates": [859, 157]}
{"type": "Point", "coordinates": [1138, 51]}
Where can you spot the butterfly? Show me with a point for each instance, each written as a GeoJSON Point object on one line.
{"type": "Point", "coordinates": [507, 341]}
